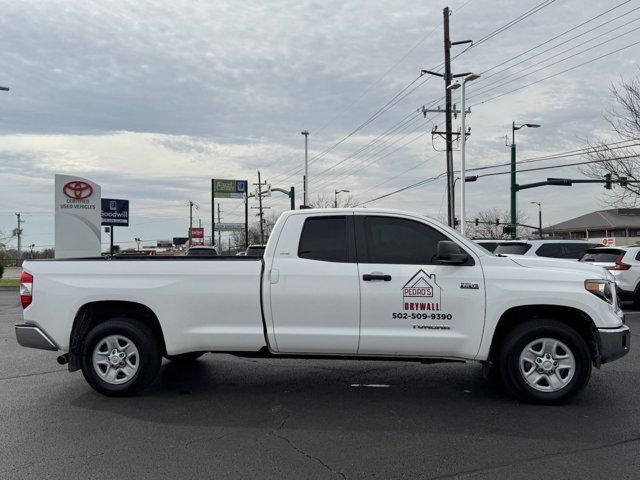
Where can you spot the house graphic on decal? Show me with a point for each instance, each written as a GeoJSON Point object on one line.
{"type": "Point", "coordinates": [422, 293]}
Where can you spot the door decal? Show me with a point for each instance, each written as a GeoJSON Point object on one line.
{"type": "Point", "coordinates": [422, 293]}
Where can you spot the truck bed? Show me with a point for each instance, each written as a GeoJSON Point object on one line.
{"type": "Point", "coordinates": [201, 303]}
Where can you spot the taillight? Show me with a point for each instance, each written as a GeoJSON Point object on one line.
{"type": "Point", "coordinates": [620, 265]}
{"type": "Point", "coordinates": [26, 289]}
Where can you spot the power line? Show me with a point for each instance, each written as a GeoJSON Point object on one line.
{"type": "Point", "coordinates": [556, 37]}
{"type": "Point", "coordinates": [558, 73]}
{"type": "Point", "coordinates": [500, 83]}
{"type": "Point", "coordinates": [485, 77]}
{"type": "Point", "coordinates": [548, 167]}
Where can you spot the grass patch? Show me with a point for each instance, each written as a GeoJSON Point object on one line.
{"type": "Point", "coordinates": [9, 282]}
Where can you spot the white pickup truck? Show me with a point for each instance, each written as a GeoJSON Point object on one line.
{"type": "Point", "coordinates": [338, 283]}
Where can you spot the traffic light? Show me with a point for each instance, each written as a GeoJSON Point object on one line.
{"type": "Point", "coordinates": [456, 222]}
{"type": "Point", "coordinates": [497, 221]}
{"type": "Point", "coordinates": [623, 181]}
{"type": "Point", "coordinates": [477, 222]}
{"type": "Point", "coordinates": [506, 230]}
{"type": "Point", "coordinates": [607, 181]}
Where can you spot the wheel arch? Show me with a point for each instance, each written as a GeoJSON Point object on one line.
{"type": "Point", "coordinates": [94, 313]}
{"type": "Point", "coordinates": [570, 316]}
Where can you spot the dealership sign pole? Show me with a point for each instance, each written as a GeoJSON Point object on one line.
{"type": "Point", "coordinates": [114, 212]}
{"type": "Point", "coordinates": [77, 217]}
{"type": "Point", "coordinates": [230, 189]}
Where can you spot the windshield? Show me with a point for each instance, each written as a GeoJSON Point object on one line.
{"type": "Point", "coordinates": [488, 246]}
{"type": "Point", "coordinates": [601, 256]}
{"type": "Point", "coordinates": [255, 251]}
{"type": "Point", "coordinates": [512, 248]}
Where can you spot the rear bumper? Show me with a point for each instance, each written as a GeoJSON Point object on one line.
{"type": "Point", "coordinates": [613, 343]}
{"type": "Point", "coordinates": [33, 337]}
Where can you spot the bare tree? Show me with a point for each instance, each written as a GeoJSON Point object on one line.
{"type": "Point", "coordinates": [328, 201]}
{"type": "Point", "coordinates": [620, 159]}
{"type": "Point", "coordinates": [487, 227]}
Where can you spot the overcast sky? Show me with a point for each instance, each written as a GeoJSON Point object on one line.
{"type": "Point", "coordinates": [153, 99]}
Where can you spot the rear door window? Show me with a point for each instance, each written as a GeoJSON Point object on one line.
{"type": "Point", "coordinates": [514, 248]}
{"type": "Point", "coordinates": [576, 250]}
{"type": "Point", "coordinates": [324, 239]}
{"type": "Point", "coordinates": [551, 250]}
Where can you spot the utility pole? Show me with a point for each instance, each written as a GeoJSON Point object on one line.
{"type": "Point", "coordinates": [539, 217]}
{"type": "Point", "coordinates": [448, 111]}
{"type": "Point", "coordinates": [260, 206]}
{"type": "Point", "coordinates": [448, 126]}
{"type": "Point", "coordinates": [305, 196]}
{"type": "Point", "coordinates": [190, 220]}
{"type": "Point", "coordinates": [219, 231]}
{"type": "Point", "coordinates": [19, 234]}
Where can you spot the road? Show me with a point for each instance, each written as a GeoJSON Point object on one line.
{"type": "Point", "coordinates": [228, 418]}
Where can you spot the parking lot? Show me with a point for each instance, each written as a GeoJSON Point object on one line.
{"type": "Point", "coordinates": [242, 418]}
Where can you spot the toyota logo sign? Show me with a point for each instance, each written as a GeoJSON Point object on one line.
{"type": "Point", "coordinates": [77, 190]}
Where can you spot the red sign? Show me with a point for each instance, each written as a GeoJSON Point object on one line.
{"type": "Point", "coordinates": [196, 234]}
{"type": "Point", "coordinates": [608, 241]}
{"type": "Point", "coordinates": [77, 190]}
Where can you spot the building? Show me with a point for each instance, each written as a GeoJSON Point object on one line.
{"type": "Point", "coordinates": [617, 226]}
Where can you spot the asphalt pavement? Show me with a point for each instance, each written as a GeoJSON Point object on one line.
{"type": "Point", "coordinates": [226, 417]}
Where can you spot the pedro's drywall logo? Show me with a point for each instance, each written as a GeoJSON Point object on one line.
{"type": "Point", "coordinates": [422, 293]}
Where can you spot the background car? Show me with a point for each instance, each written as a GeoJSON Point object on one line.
{"type": "Point", "coordinates": [255, 250]}
{"type": "Point", "coordinates": [202, 252]}
{"type": "Point", "coordinates": [490, 245]}
{"type": "Point", "coordinates": [624, 264]}
{"type": "Point", "coordinates": [567, 249]}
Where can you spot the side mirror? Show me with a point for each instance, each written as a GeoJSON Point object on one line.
{"type": "Point", "coordinates": [449, 252]}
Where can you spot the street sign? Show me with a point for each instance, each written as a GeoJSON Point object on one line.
{"type": "Point", "coordinates": [115, 212]}
{"type": "Point", "coordinates": [197, 235]}
{"type": "Point", "coordinates": [229, 188]}
{"type": "Point", "coordinates": [228, 227]}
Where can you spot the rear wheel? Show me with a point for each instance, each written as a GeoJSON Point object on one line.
{"type": "Point", "coordinates": [120, 357]}
{"type": "Point", "coordinates": [544, 361]}
{"type": "Point", "coordinates": [636, 297]}
{"type": "Point", "coordinates": [185, 357]}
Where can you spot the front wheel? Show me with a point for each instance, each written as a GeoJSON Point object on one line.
{"type": "Point", "coordinates": [544, 361]}
{"type": "Point", "coordinates": [120, 357]}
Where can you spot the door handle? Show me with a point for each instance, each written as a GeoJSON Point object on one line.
{"type": "Point", "coordinates": [367, 277]}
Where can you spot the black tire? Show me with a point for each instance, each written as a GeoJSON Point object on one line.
{"type": "Point", "coordinates": [636, 298]}
{"type": "Point", "coordinates": [522, 336]}
{"type": "Point", "coordinates": [148, 361]}
{"type": "Point", "coordinates": [185, 357]}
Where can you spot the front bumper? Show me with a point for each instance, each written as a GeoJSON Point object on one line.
{"type": "Point", "coordinates": [32, 336]}
{"type": "Point", "coordinates": [613, 343]}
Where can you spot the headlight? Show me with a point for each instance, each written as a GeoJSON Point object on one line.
{"type": "Point", "coordinates": [601, 288]}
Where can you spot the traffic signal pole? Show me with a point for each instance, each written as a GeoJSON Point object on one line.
{"type": "Point", "coordinates": [513, 220]}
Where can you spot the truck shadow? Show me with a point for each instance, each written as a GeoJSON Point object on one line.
{"type": "Point", "coordinates": [224, 391]}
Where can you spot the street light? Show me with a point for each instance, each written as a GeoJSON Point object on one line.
{"type": "Point", "coordinates": [513, 221]}
{"type": "Point", "coordinates": [138, 240]}
{"type": "Point", "coordinates": [539, 216]}
{"type": "Point", "coordinates": [305, 193]}
{"type": "Point", "coordinates": [469, 78]}
{"type": "Point", "coordinates": [336, 192]}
